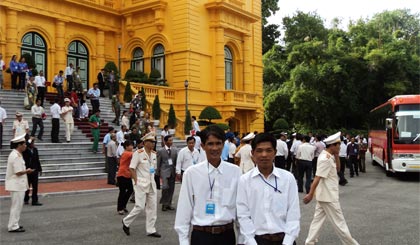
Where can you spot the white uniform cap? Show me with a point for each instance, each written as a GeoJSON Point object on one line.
{"type": "Point", "coordinates": [19, 139]}
{"type": "Point", "coordinates": [333, 139]}
{"type": "Point", "coordinates": [249, 136]}
{"type": "Point", "coordinates": [294, 134]}
{"type": "Point", "coordinates": [66, 100]}
{"type": "Point", "coordinates": [149, 137]}
{"type": "Point", "coordinates": [18, 114]}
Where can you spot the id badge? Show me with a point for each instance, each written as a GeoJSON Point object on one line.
{"type": "Point", "coordinates": [210, 208]}
{"type": "Point", "coordinates": [152, 170]}
{"type": "Point", "coordinates": [170, 161]}
{"type": "Point", "coordinates": [355, 150]}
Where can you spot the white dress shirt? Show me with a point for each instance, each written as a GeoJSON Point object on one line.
{"type": "Point", "coordinates": [69, 71]}
{"type": "Point", "coordinates": [263, 210]}
{"type": "Point", "coordinates": [186, 159]}
{"type": "Point", "coordinates": [120, 136]}
{"type": "Point", "coordinates": [195, 192]}
{"type": "Point", "coordinates": [282, 149]}
{"type": "Point", "coordinates": [305, 152]}
{"type": "Point", "coordinates": [244, 154]}
{"type": "Point", "coordinates": [319, 148]}
{"type": "Point", "coordinates": [55, 111]}
{"type": "Point", "coordinates": [232, 150]}
{"type": "Point", "coordinates": [40, 81]}
{"type": "Point", "coordinates": [343, 150]}
{"type": "Point", "coordinates": [67, 113]}
{"type": "Point", "coordinates": [37, 111]}
{"type": "Point", "coordinates": [3, 115]}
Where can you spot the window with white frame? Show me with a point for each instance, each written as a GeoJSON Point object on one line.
{"type": "Point", "coordinates": [158, 60]}
{"type": "Point", "coordinates": [137, 63]}
{"type": "Point", "coordinates": [228, 69]}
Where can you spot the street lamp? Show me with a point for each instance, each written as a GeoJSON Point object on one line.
{"type": "Point", "coordinates": [119, 60]}
{"type": "Point", "coordinates": [186, 96]}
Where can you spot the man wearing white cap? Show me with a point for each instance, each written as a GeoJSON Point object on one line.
{"type": "Point", "coordinates": [142, 168]}
{"type": "Point", "coordinates": [67, 115]}
{"type": "Point", "coordinates": [244, 154]}
{"type": "Point", "coordinates": [16, 182]}
{"type": "Point", "coordinates": [325, 188]}
{"type": "Point", "coordinates": [20, 126]}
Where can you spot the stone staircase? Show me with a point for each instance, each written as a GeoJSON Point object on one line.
{"type": "Point", "coordinates": [62, 161]}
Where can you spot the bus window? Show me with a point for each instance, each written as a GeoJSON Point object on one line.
{"type": "Point", "coordinates": [407, 127]}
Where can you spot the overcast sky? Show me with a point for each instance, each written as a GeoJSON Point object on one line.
{"type": "Point", "coordinates": [343, 9]}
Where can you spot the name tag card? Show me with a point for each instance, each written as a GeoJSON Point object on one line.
{"type": "Point", "coordinates": [170, 161]}
{"type": "Point", "coordinates": [210, 208]}
{"type": "Point", "coordinates": [152, 170]}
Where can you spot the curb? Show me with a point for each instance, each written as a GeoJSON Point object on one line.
{"type": "Point", "coordinates": [65, 193]}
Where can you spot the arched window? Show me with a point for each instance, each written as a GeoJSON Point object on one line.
{"type": "Point", "coordinates": [137, 63]}
{"type": "Point", "coordinates": [34, 44]}
{"type": "Point", "coordinates": [158, 60]}
{"type": "Point", "coordinates": [228, 69]}
{"type": "Point", "coordinates": [78, 55]}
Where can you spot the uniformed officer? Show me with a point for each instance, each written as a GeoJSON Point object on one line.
{"type": "Point", "coordinates": [16, 181]}
{"type": "Point", "coordinates": [142, 169]}
{"type": "Point", "coordinates": [325, 188]}
{"type": "Point", "coordinates": [206, 203]}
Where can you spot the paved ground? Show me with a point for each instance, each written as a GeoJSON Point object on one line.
{"type": "Point", "coordinates": [378, 210]}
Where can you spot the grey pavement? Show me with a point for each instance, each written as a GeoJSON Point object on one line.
{"type": "Point", "coordinates": [378, 210]}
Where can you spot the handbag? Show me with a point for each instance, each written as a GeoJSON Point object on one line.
{"type": "Point", "coordinates": [54, 85]}
{"type": "Point", "coordinates": [26, 101]}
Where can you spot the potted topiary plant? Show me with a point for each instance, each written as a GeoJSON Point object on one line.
{"type": "Point", "coordinates": [128, 96]}
{"type": "Point", "coordinates": [156, 111]}
{"type": "Point", "coordinates": [171, 120]}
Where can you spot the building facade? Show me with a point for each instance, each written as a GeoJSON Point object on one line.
{"type": "Point", "coordinates": [214, 44]}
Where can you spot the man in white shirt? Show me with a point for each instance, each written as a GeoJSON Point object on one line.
{"type": "Point", "coordinates": [343, 161]}
{"type": "Point", "coordinates": [55, 110]}
{"type": "Point", "coordinates": [267, 201]}
{"type": "Point", "coordinates": [282, 152]}
{"type": "Point", "coordinates": [206, 203]}
{"type": "Point", "coordinates": [3, 116]}
{"type": "Point", "coordinates": [40, 85]}
{"type": "Point", "coordinates": [37, 114]}
{"type": "Point", "coordinates": [69, 76]}
{"type": "Point", "coordinates": [319, 147]}
{"type": "Point", "coordinates": [20, 126]}
{"type": "Point", "coordinates": [67, 115]}
{"type": "Point", "coordinates": [305, 155]}
{"type": "Point", "coordinates": [187, 157]}
{"type": "Point", "coordinates": [195, 125]}
{"type": "Point", "coordinates": [293, 151]}
{"type": "Point", "coordinates": [2, 67]}
{"type": "Point", "coordinates": [325, 189]}
{"type": "Point", "coordinates": [58, 83]}
{"type": "Point", "coordinates": [121, 134]}
{"type": "Point", "coordinates": [94, 94]}
{"type": "Point", "coordinates": [243, 156]}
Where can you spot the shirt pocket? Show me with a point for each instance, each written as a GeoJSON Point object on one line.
{"type": "Point", "coordinates": [228, 197]}
{"type": "Point", "coordinates": [279, 205]}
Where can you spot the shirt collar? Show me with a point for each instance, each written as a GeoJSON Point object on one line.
{"type": "Point", "coordinates": [255, 172]}
{"type": "Point", "coordinates": [219, 169]}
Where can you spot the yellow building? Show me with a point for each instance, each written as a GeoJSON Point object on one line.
{"type": "Point", "coordinates": [214, 44]}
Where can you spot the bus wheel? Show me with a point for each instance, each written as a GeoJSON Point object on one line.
{"type": "Point", "coordinates": [388, 173]}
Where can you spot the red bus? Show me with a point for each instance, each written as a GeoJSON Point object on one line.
{"type": "Point", "coordinates": [394, 134]}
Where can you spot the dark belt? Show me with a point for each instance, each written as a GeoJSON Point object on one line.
{"type": "Point", "coordinates": [217, 229]}
{"type": "Point", "coordinates": [276, 237]}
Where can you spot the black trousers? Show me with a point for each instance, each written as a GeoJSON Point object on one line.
{"type": "Point", "coordinates": [314, 165]}
{"type": "Point", "coordinates": [112, 170]}
{"type": "Point", "coordinates": [35, 123]}
{"type": "Point", "coordinates": [304, 168]}
{"type": "Point", "coordinates": [32, 181]}
{"type": "Point", "coordinates": [22, 82]}
{"type": "Point", "coordinates": [126, 189]}
{"type": "Point", "coordinates": [101, 88]}
{"type": "Point", "coordinates": [205, 238]}
{"type": "Point", "coordinates": [69, 79]}
{"type": "Point", "coordinates": [41, 94]}
{"type": "Point", "coordinates": [95, 105]}
{"type": "Point", "coordinates": [280, 162]}
{"type": "Point", "coordinates": [262, 241]}
{"type": "Point", "coordinates": [55, 130]}
{"type": "Point", "coordinates": [353, 165]}
{"type": "Point", "coordinates": [168, 189]}
{"type": "Point", "coordinates": [14, 80]}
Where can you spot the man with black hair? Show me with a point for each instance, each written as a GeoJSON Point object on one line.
{"type": "Point", "coordinates": [187, 157]}
{"type": "Point", "coordinates": [305, 155]}
{"type": "Point", "coordinates": [31, 157]}
{"type": "Point", "coordinates": [166, 162]}
{"type": "Point", "coordinates": [325, 189]}
{"type": "Point", "coordinates": [267, 201]}
{"type": "Point", "coordinates": [206, 201]}
{"type": "Point", "coordinates": [55, 110]}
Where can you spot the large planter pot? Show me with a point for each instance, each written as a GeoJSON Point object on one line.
{"type": "Point", "coordinates": [172, 131]}
{"type": "Point", "coordinates": [127, 105]}
{"type": "Point", "coordinates": [156, 123]}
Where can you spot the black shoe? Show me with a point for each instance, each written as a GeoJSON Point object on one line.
{"type": "Point", "coordinates": [125, 210]}
{"type": "Point", "coordinates": [157, 235]}
{"type": "Point", "coordinates": [37, 204]}
{"type": "Point", "coordinates": [20, 229]}
{"type": "Point", "coordinates": [126, 229]}
{"type": "Point", "coordinates": [164, 208]}
{"type": "Point", "coordinates": [40, 139]}
{"type": "Point", "coordinates": [26, 202]}
{"type": "Point", "coordinates": [170, 208]}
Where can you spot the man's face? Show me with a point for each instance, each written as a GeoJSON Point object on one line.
{"type": "Point", "coordinates": [191, 144]}
{"type": "Point", "coordinates": [169, 142]}
{"type": "Point", "coordinates": [352, 140]}
{"type": "Point", "coordinates": [336, 148]}
{"type": "Point", "coordinates": [95, 87]}
{"type": "Point", "coordinates": [149, 144]}
{"type": "Point", "coordinates": [213, 148]}
{"type": "Point", "coordinates": [41, 73]}
{"type": "Point", "coordinates": [38, 102]}
{"type": "Point", "coordinates": [264, 154]}
{"type": "Point", "coordinates": [19, 118]}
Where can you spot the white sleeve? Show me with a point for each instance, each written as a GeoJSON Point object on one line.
{"type": "Point", "coordinates": [184, 211]}
{"type": "Point", "coordinates": [246, 226]}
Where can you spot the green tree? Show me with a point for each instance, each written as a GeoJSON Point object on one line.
{"type": "Point", "coordinates": [210, 113]}
{"type": "Point", "coordinates": [128, 96]}
{"type": "Point", "coordinates": [171, 117]}
{"type": "Point", "coordinates": [156, 108]}
{"type": "Point", "coordinates": [270, 32]}
{"type": "Point", "coordinates": [187, 124]}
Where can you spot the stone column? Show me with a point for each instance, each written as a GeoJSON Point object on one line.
{"type": "Point", "coordinates": [247, 85]}
{"type": "Point", "coordinates": [220, 59]}
{"type": "Point", "coordinates": [12, 47]}
{"type": "Point", "coordinates": [60, 47]}
{"type": "Point", "coordinates": [100, 50]}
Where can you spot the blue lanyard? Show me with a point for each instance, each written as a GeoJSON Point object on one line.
{"type": "Point", "coordinates": [275, 179]}
{"type": "Point", "coordinates": [210, 183]}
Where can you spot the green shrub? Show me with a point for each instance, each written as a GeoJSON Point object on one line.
{"type": "Point", "coordinates": [187, 124]}
{"type": "Point", "coordinates": [210, 113]}
{"type": "Point", "coordinates": [171, 117]}
{"type": "Point", "coordinates": [156, 108]}
{"type": "Point", "coordinates": [128, 96]}
{"type": "Point", "coordinates": [281, 124]}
